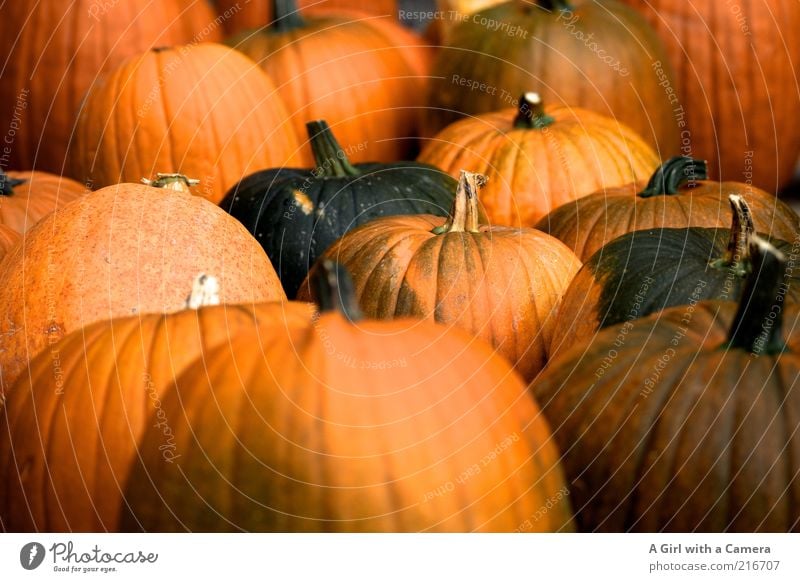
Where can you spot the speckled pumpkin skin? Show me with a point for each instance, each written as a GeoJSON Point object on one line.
{"type": "Point", "coordinates": [120, 251]}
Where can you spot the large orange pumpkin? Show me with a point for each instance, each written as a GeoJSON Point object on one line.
{"type": "Point", "coordinates": [679, 194]}
{"type": "Point", "coordinates": [538, 158]}
{"type": "Point", "coordinates": [347, 70]}
{"type": "Point", "coordinates": [341, 424]}
{"type": "Point", "coordinates": [72, 424]}
{"type": "Point", "coordinates": [203, 110]}
{"type": "Point", "coordinates": [595, 54]}
{"type": "Point", "coordinates": [27, 197]}
{"type": "Point", "coordinates": [500, 284]}
{"type": "Point", "coordinates": [123, 250]}
{"type": "Point", "coordinates": [52, 51]}
{"type": "Point", "coordinates": [736, 67]}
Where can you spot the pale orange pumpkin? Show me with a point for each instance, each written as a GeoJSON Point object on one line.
{"type": "Point", "coordinates": [27, 197]}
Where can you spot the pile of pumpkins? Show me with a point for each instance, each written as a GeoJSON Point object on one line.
{"type": "Point", "coordinates": [289, 266]}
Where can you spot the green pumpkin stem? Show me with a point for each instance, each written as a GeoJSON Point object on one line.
{"type": "Point", "coordinates": [757, 326]}
{"type": "Point", "coordinates": [177, 182]}
{"type": "Point", "coordinates": [465, 215]}
{"type": "Point", "coordinates": [333, 290]}
{"type": "Point", "coordinates": [329, 157]}
{"type": "Point", "coordinates": [530, 114]}
{"type": "Point", "coordinates": [7, 184]}
{"type": "Point", "coordinates": [674, 174]}
{"type": "Point", "coordinates": [286, 16]}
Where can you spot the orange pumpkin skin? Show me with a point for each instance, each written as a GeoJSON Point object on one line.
{"type": "Point", "coordinates": [736, 72]}
{"type": "Point", "coordinates": [27, 197]}
{"type": "Point", "coordinates": [533, 167]}
{"type": "Point", "coordinates": [366, 78]}
{"type": "Point", "coordinates": [340, 426]}
{"type": "Point", "coordinates": [54, 50]}
{"type": "Point", "coordinates": [500, 284]}
{"type": "Point", "coordinates": [73, 422]}
{"type": "Point", "coordinates": [588, 223]}
{"type": "Point", "coordinates": [8, 238]}
{"type": "Point", "coordinates": [201, 110]}
{"type": "Point", "coordinates": [123, 250]}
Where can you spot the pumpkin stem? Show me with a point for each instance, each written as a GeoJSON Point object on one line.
{"type": "Point", "coordinates": [757, 326]}
{"type": "Point", "coordinates": [205, 291]}
{"type": "Point", "coordinates": [530, 114]}
{"type": "Point", "coordinates": [742, 230]}
{"type": "Point", "coordinates": [177, 182]}
{"type": "Point", "coordinates": [465, 215]}
{"type": "Point", "coordinates": [329, 156]}
{"type": "Point", "coordinates": [286, 16]}
{"type": "Point", "coordinates": [333, 290]}
{"type": "Point", "coordinates": [674, 174]}
{"type": "Point", "coordinates": [553, 5]}
{"type": "Point", "coordinates": [7, 184]}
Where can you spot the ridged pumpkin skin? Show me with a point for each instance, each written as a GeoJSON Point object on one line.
{"type": "Point", "coordinates": [684, 200]}
{"type": "Point", "coordinates": [500, 284]}
{"type": "Point", "coordinates": [503, 51]}
{"type": "Point", "coordinates": [339, 426]}
{"type": "Point", "coordinates": [27, 197]}
{"type": "Point", "coordinates": [120, 251]}
{"type": "Point", "coordinates": [347, 70]}
{"type": "Point", "coordinates": [73, 423]}
{"type": "Point", "coordinates": [258, 13]}
{"type": "Point", "coordinates": [8, 238]}
{"type": "Point", "coordinates": [736, 69]}
{"type": "Point", "coordinates": [662, 428]}
{"type": "Point", "coordinates": [54, 50]}
{"type": "Point", "coordinates": [646, 271]}
{"type": "Point", "coordinates": [538, 158]}
{"type": "Point", "coordinates": [297, 214]}
{"type": "Point", "coordinates": [201, 110]}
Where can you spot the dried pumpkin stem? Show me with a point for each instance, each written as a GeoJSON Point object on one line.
{"type": "Point", "coordinates": [286, 16]}
{"type": "Point", "coordinates": [554, 5]}
{"type": "Point", "coordinates": [757, 326]}
{"type": "Point", "coordinates": [7, 184]}
{"type": "Point", "coordinates": [531, 114]}
{"type": "Point", "coordinates": [674, 174]}
{"type": "Point", "coordinates": [333, 290]}
{"type": "Point", "coordinates": [742, 230]}
{"type": "Point", "coordinates": [205, 292]}
{"type": "Point", "coordinates": [331, 160]}
{"type": "Point", "coordinates": [177, 182]}
{"type": "Point", "coordinates": [465, 215]}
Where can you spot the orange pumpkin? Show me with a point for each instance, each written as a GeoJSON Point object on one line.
{"type": "Point", "coordinates": [74, 421]}
{"type": "Point", "coordinates": [202, 110]}
{"type": "Point", "coordinates": [348, 70]}
{"type": "Point", "coordinates": [54, 50]}
{"type": "Point", "coordinates": [736, 64]}
{"type": "Point", "coordinates": [27, 197]}
{"type": "Point", "coordinates": [8, 238]}
{"type": "Point", "coordinates": [123, 250]}
{"type": "Point", "coordinates": [538, 158]}
{"type": "Point", "coordinates": [678, 195]}
{"type": "Point", "coordinates": [342, 424]}
{"type": "Point", "coordinates": [500, 284]}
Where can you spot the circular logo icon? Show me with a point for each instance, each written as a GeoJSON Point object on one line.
{"type": "Point", "coordinates": [31, 555]}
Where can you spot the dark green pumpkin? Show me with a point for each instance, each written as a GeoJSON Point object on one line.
{"type": "Point", "coordinates": [646, 271]}
{"type": "Point", "coordinates": [296, 214]}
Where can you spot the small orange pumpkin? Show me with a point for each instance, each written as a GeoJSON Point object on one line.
{"type": "Point", "coordinates": [27, 197]}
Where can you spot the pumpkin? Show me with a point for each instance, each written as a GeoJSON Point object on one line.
{"type": "Point", "coordinates": [297, 214]}
{"type": "Point", "coordinates": [27, 197]}
{"type": "Point", "coordinates": [343, 424]}
{"type": "Point", "coordinates": [594, 54]}
{"type": "Point", "coordinates": [347, 70]}
{"type": "Point", "coordinates": [685, 420]}
{"type": "Point", "coordinates": [123, 250]}
{"type": "Point", "coordinates": [646, 271]}
{"type": "Point", "coordinates": [73, 423]}
{"type": "Point", "coordinates": [257, 13]}
{"type": "Point", "coordinates": [678, 195]}
{"type": "Point", "coordinates": [500, 284]}
{"type": "Point", "coordinates": [203, 110]}
{"type": "Point", "coordinates": [736, 67]}
{"type": "Point", "coordinates": [53, 51]}
{"type": "Point", "coordinates": [538, 158]}
{"type": "Point", "coordinates": [8, 238]}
